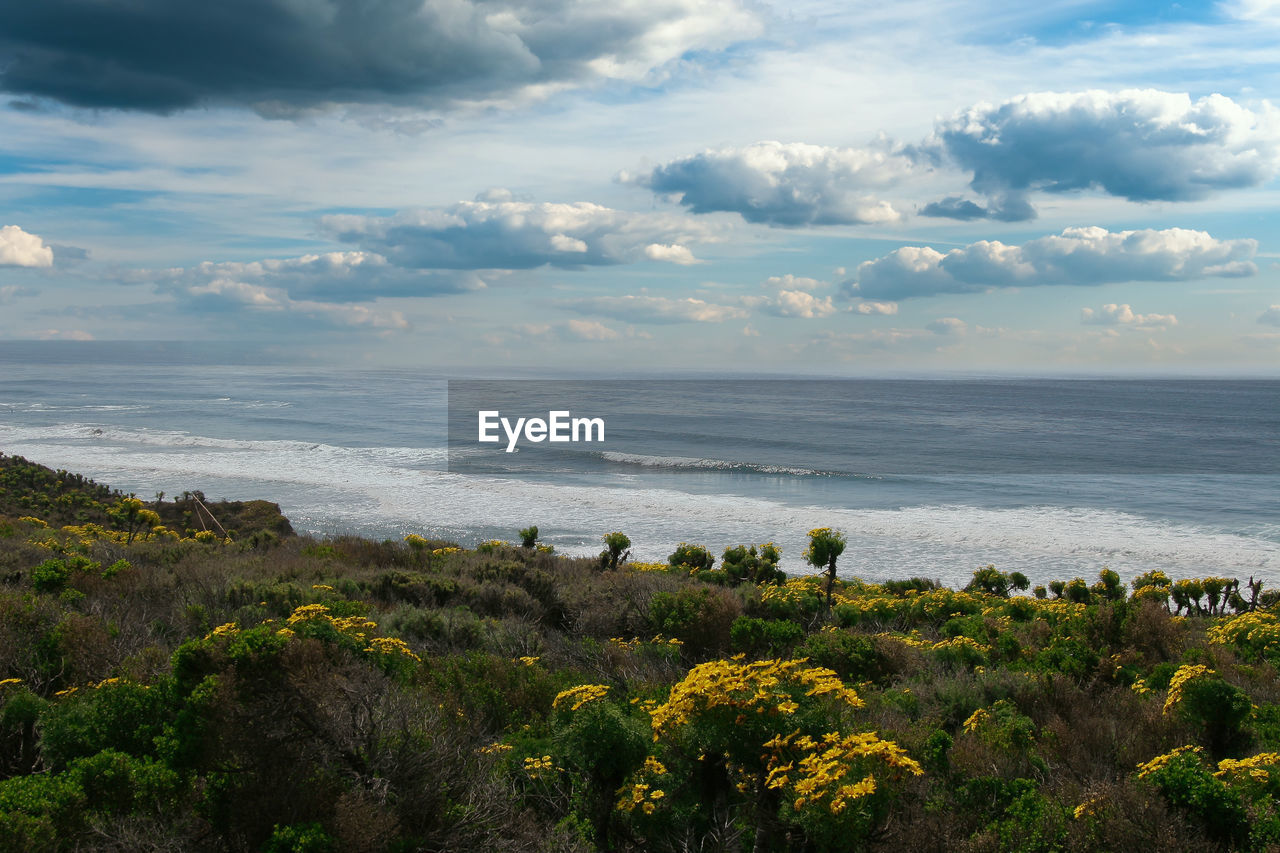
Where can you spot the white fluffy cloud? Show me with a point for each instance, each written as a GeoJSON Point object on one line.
{"type": "Point", "coordinates": [1077, 256]}
{"type": "Point", "coordinates": [785, 184]}
{"type": "Point", "coordinates": [1142, 145]}
{"type": "Point", "coordinates": [1270, 317]}
{"type": "Point", "coordinates": [887, 308]}
{"type": "Point", "coordinates": [20, 249]}
{"type": "Point", "coordinates": [656, 309]}
{"type": "Point", "coordinates": [673, 253]}
{"type": "Point", "coordinates": [1112, 314]}
{"type": "Point", "coordinates": [799, 303]}
{"type": "Point", "coordinates": [495, 232]}
{"type": "Point", "coordinates": [329, 277]}
{"type": "Point", "coordinates": [589, 330]}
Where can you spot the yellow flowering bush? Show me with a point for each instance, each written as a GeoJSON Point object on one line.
{"type": "Point", "coordinates": [1179, 681]}
{"type": "Point", "coordinates": [1261, 771]}
{"type": "Point", "coordinates": [831, 771]}
{"type": "Point", "coordinates": [769, 733]}
{"type": "Point", "coordinates": [1253, 635]}
{"type": "Point", "coordinates": [575, 697]}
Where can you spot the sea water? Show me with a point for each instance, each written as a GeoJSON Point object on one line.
{"type": "Point", "coordinates": [1055, 478]}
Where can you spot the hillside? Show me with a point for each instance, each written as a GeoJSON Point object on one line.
{"type": "Point", "coordinates": [164, 687]}
{"type": "Point", "coordinates": [60, 498]}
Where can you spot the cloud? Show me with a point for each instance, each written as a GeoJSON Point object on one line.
{"type": "Point", "coordinates": [216, 296]}
{"type": "Point", "coordinates": [674, 253]}
{"type": "Point", "coordinates": [783, 184]}
{"type": "Point", "coordinates": [1077, 256]}
{"type": "Point", "coordinates": [286, 56]}
{"type": "Point", "coordinates": [1010, 207]}
{"type": "Point", "coordinates": [1141, 145]}
{"type": "Point", "coordinates": [1112, 314]}
{"type": "Point", "coordinates": [887, 308]}
{"type": "Point", "coordinates": [948, 326]}
{"type": "Point", "coordinates": [330, 277]}
{"type": "Point", "coordinates": [503, 234]}
{"type": "Point", "coordinates": [1270, 317]}
{"type": "Point", "coordinates": [798, 303]}
{"type": "Point", "coordinates": [795, 282]}
{"type": "Point", "coordinates": [582, 331]}
{"type": "Point", "coordinates": [589, 330]}
{"type": "Point", "coordinates": [656, 309]}
{"type": "Point", "coordinates": [954, 207]}
{"type": "Point", "coordinates": [20, 249]}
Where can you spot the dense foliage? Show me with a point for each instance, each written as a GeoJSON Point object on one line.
{"type": "Point", "coordinates": [167, 688]}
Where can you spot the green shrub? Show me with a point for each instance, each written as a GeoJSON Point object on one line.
{"type": "Point", "coordinates": [123, 716]}
{"type": "Point", "coordinates": [694, 557]}
{"type": "Point", "coordinates": [300, 838]}
{"type": "Point", "coordinates": [773, 637]}
{"type": "Point", "coordinates": [1219, 711]}
{"type": "Point", "coordinates": [854, 657]}
{"type": "Point", "coordinates": [1188, 786]}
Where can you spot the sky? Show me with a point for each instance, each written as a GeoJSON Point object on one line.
{"type": "Point", "coordinates": [814, 187]}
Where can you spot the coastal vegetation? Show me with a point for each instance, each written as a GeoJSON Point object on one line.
{"type": "Point", "coordinates": [188, 675]}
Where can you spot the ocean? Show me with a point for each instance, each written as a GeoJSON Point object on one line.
{"type": "Point", "coordinates": [1052, 477]}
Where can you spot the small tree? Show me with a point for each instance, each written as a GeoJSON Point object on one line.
{"type": "Point", "coordinates": [130, 515]}
{"type": "Point", "coordinates": [529, 536]}
{"type": "Point", "coordinates": [990, 580]}
{"type": "Point", "coordinates": [615, 551]}
{"type": "Point", "coordinates": [825, 547]}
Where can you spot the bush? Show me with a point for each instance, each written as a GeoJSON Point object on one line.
{"type": "Point", "coordinates": [693, 557]}
{"type": "Point", "coordinates": [772, 637]}
{"type": "Point", "coordinates": [1188, 786]}
{"type": "Point", "coordinates": [300, 838]}
{"type": "Point", "coordinates": [854, 657]}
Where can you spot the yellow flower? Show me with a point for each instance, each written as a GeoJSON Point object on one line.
{"type": "Point", "coordinates": [1185, 673]}
{"type": "Point", "coordinates": [580, 695]}
{"type": "Point", "coordinates": [391, 646]}
{"type": "Point", "coordinates": [651, 765]}
{"type": "Point", "coordinates": [977, 720]}
{"type": "Point", "coordinates": [1148, 767]}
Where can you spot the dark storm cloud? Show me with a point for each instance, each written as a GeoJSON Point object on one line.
{"type": "Point", "coordinates": [283, 55]}
{"type": "Point", "coordinates": [1008, 208]}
